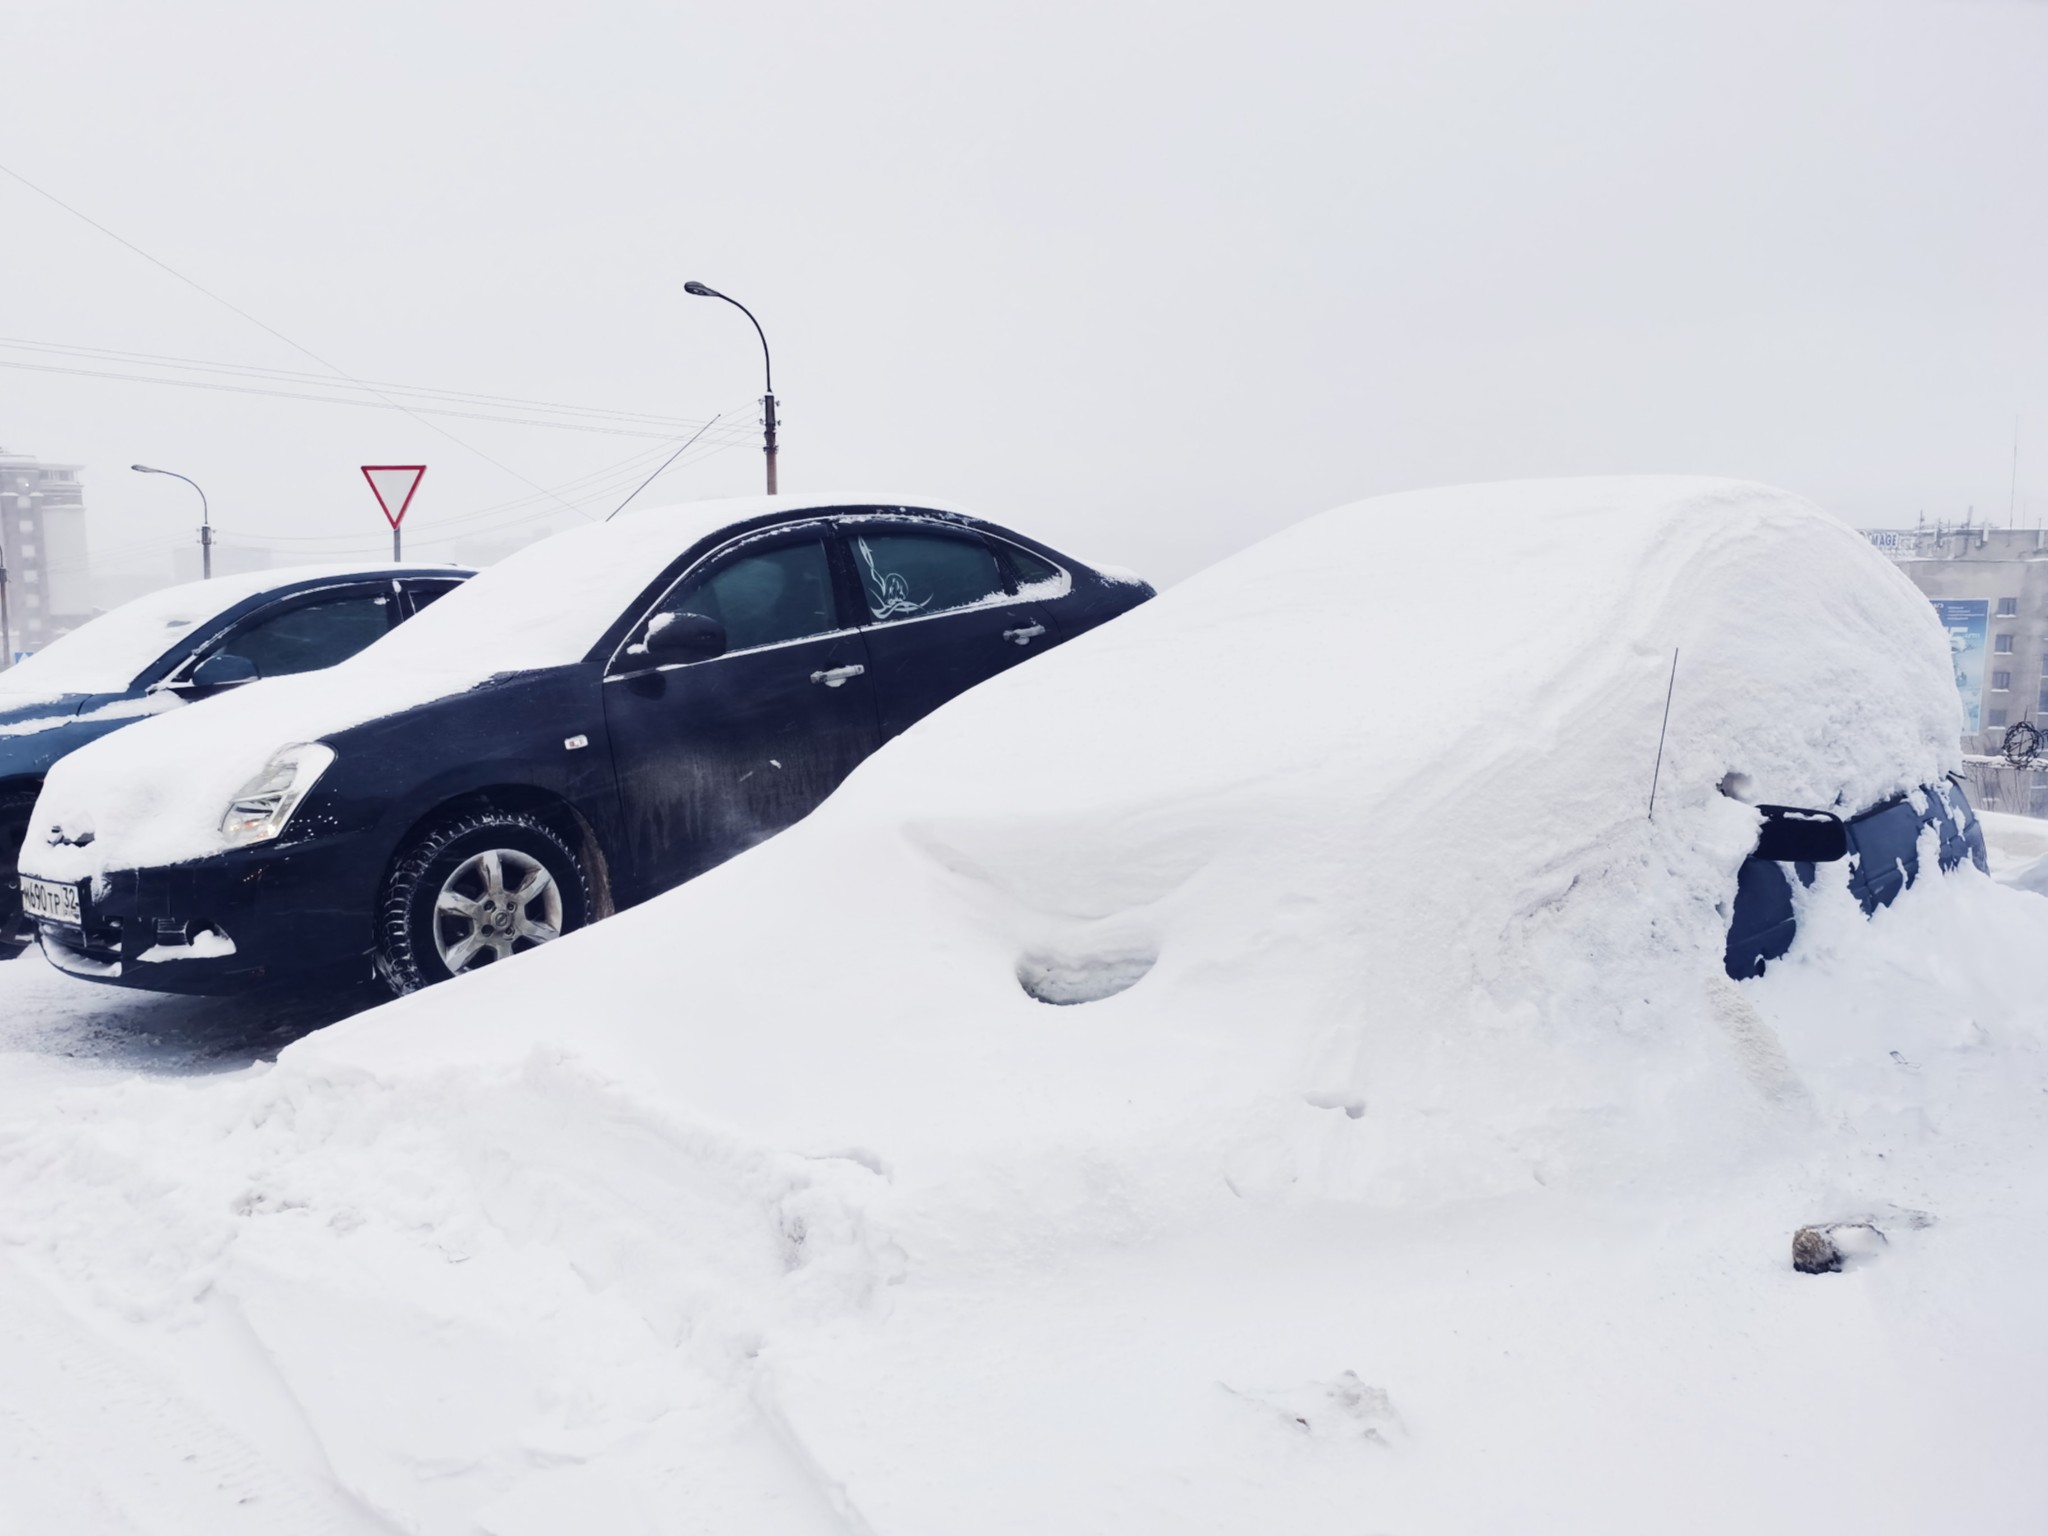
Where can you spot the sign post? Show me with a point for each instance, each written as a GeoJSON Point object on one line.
{"type": "Point", "coordinates": [393, 486]}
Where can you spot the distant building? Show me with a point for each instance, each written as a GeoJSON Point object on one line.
{"type": "Point", "coordinates": [42, 544]}
{"type": "Point", "coordinates": [1989, 586]}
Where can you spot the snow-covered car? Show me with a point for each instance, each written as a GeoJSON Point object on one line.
{"type": "Point", "coordinates": [601, 717]}
{"type": "Point", "coordinates": [175, 647]}
{"type": "Point", "coordinates": [1398, 1157]}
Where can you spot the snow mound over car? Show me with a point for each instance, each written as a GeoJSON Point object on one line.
{"type": "Point", "coordinates": [1257, 1067]}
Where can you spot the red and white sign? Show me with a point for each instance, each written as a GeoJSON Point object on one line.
{"type": "Point", "coordinates": [393, 485]}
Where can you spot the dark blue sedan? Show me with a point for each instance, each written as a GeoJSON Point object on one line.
{"type": "Point", "coordinates": [603, 716]}
{"type": "Point", "coordinates": [175, 647]}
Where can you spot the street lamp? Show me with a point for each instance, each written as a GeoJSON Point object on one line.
{"type": "Point", "coordinates": [701, 291]}
{"type": "Point", "coordinates": [205, 518]}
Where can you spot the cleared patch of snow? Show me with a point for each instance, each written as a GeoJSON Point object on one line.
{"type": "Point", "coordinates": [778, 1205]}
{"type": "Point", "coordinates": [114, 709]}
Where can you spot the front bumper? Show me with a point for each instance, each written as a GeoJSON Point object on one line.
{"type": "Point", "coordinates": [242, 918]}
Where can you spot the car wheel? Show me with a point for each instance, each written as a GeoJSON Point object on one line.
{"type": "Point", "coordinates": [16, 805]}
{"type": "Point", "coordinates": [476, 890]}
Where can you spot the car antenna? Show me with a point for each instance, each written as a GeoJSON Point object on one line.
{"type": "Point", "coordinates": [615, 511]}
{"type": "Point", "coordinates": [1669, 688]}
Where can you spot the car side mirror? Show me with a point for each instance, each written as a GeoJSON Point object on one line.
{"type": "Point", "coordinates": [680, 637]}
{"type": "Point", "coordinates": [1790, 835]}
{"type": "Point", "coordinates": [223, 669]}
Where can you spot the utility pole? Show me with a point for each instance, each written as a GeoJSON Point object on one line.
{"type": "Point", "coordinates": [205, 517]}
{"type": "Point", "coordinates": [2012, 500]}
{"type": "Point", "coordinates": [6, 627]}
{"type": "Point", "coordinates": [702, 291]}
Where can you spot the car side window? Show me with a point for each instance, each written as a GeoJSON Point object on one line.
{"type": "Point", "coordinates": [310, 636]}
{"type": "Point", "coordinates": [424, 593]}
{"type": "Point", "coordinates": [1031, 570]}
{"type": "Point", "coordinates": [766, 597]}
{"type": "Point", "coordinates": [906, 573]}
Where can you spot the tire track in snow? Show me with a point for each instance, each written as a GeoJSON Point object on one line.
{"type": "Point", "coordinates": [93, 1443]}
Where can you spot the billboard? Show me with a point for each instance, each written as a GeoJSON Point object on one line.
{"type": "Point", "coordinates": [1965, 619]}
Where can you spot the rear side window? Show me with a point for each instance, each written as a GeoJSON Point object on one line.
{"type": "Point", "coordinates": [905, 573]}
{"type": "Point", "coordinates": [1030, 569]}
{"type": "Point", "coordinates": [312, 635]}
{"type": "Point", "coordinates": [424, 593]}
{"type": "Point", "coordinates": [764, 598]}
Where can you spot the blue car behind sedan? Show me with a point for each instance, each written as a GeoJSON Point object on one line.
{"type": "Point", "coordinates": [176, 647]}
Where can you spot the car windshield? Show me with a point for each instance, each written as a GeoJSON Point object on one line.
{"type": "Point", "coordinates": [108, 654]}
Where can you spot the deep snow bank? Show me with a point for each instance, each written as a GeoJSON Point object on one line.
{"type": "Point", "coordinates": [1413, 1161]}
{"type": "Point", "coordinates": [1373, 818]}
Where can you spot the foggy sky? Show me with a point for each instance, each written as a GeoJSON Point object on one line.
{"type": "Point", "coordinates": [1149, 280]}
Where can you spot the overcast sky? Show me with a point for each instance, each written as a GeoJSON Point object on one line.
{"type": "Point", "coordinates": [1149, 280]}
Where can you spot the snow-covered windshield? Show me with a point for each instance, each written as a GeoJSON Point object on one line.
{"type": "Point", "coordinates": [108, 654]}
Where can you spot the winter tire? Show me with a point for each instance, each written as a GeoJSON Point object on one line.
{"type": "Point", "coordinates": [473, 891]}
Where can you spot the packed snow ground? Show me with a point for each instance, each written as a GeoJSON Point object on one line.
{"type": "Point", "coordinates": [1424, 1174]}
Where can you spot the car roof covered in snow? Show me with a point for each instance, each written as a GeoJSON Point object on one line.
{"type": "Point", "coordinates": [551, 602]}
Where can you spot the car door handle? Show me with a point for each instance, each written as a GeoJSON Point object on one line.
{"type": "Point", "coordinates": [1024, 634]}
{"type": "Point", "coordinates": [832, 677]}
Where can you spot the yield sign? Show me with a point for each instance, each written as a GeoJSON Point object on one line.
{"type": "Point", "coordinates": [393, 485]}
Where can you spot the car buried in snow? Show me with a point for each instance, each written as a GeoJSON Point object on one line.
{"type": "Point", "coordinates": [177, 647]}
{"type": "Point", "coordinates": [1882, 845]}
{"type": "Point", "coordinates": [601, 717]}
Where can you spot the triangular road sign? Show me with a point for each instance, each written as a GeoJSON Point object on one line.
{"type": "Point", "coordinates": [393, 485]}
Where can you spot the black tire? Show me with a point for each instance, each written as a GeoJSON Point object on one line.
{"type": "Point", "coordinates": [16, 804]}
{"type": "Point", "coordinates": [416, 937]}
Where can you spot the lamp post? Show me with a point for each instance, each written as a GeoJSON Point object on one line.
{"type": "Point", "coordinates": [205, 517]}
{"type": "Point", "coordinates": [701, 291]}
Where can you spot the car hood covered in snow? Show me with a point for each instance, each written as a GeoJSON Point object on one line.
{"type": "Point", "coordinates": [1299, 1091]}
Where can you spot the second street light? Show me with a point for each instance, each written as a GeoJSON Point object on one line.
{"type": "Point", "coordinates": [702, 291]}
{"type": "Point", "coordinates": [205, 517]}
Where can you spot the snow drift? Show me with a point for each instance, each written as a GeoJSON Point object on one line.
{"type": "Point", "coordinates": [1256, 1066]}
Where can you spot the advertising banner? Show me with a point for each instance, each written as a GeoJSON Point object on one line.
{"type": "Point", "coordinates": [1966, 619]}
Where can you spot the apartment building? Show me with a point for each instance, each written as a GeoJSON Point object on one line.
{"type": "Point", "coordinates": [43, 552]}
{"type": "Point", "coordinates": [1989, 586]}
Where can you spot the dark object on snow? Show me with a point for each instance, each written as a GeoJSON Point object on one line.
{"type": "Point", "coordinates": [1883, 844]}
{"type": "Point", "coordinates": [1814, 1252]}
{"type": "Point", "coordinates": [2022, 744]}
{"type": "Point", "coordinates": [1824, 1248]}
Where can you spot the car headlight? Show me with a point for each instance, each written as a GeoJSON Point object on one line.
{"type": "Point", "coordinates": [263, 805]}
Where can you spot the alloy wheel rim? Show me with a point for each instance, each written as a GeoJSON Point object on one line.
{"type": "Point", "coordinates": [492, 905]}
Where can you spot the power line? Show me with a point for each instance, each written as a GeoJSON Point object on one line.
{"type": "Point", "coordinates": [269, 329]}
{"type": "Point", "coordinates": [615, 511]}
{"type": "Point", "coordinates": [297, 376]}
{"type": "Point", "coordinates": [281, 394]}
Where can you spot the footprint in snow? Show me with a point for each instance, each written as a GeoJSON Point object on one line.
{"type": "Point", "coordinates": [1343, 1408]}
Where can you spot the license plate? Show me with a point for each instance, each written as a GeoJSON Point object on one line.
{"type": "Point", "coordinates": [49, 900]}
